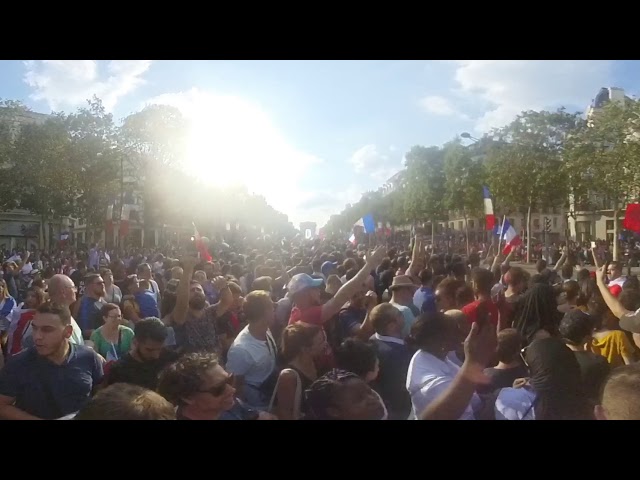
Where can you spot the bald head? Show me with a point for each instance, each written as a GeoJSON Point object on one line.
{"type": "Point", "coordinates": [621, 395]}
{"type": "Point", "coordinates": [61, 290]}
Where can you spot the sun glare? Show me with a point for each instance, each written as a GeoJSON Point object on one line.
{"type": "Point", "coordinates": [234, 142]}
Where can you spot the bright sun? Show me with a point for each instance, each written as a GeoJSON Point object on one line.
{"type": "Point", "coordinates": [233, 141]}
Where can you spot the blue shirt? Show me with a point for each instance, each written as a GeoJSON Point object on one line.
{"type": "Point", "coordinates": [425, 300]}
{"type": "Point", "coordinates": [49, 391]}
{"type": "Point", "coordinates": [89, 314]}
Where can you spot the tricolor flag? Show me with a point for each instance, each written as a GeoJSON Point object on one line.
{"type": "Point", "coordinates": [352, 239]}
{"type": "Point", "coordinates": [200, 245]}
{"type": "Point", "coordinates": [490, 218]}
{"type": "Point", "coordinates": [367, 223]}
{"type": "Point", "coordinates": [509, 235]}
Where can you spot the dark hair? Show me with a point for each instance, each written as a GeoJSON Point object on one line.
{"type": "Point", "coordinates": [464, 295]}
{"type": "Point", "coordinates": [183, 378]}
{"type": "Point", "coordinates": [537, 310]}
{"type": "Point", "coordinates": [356, 356]}
{"type": "Point", "coordinates": [541, 265]}
{"type": "Point", "coordinates": [449, 287]}
{"type": "Point", "coordinates": [428, 330]}
{"type": "Point", "coordinates": [322, 393]}
{"type": "Point", "coordinates": [123, 401]}
{"type": "Point", "coordinates": [426, 276]}
{"type": "Point", "coordinates": [515, 276]}
{"type": "Point", "coordinates": [576, 326]}
{"type": "Point", "coordinates": [631, 283]}
{"type": "Point", "coordinates": [567, 271]}
{"type": "Point", "coordinates": [352, 272]}
{"type": "Point", "coordinates": [143, 266]}
{"type": "Point", "coordinates": [482, 280]}
{"type": "Point", "coordinates": [61, 311]}
{"type": "Point", "coordinates": [458, 269]}
{"type": "Point", "coordinates": [40, 294]}
{"type": "Point", "coordinates": [582, 275]}
{"type": "Point", "coordinates": [150, 328]}
{"type": "Point", "coordinates": [571, 288]}
{"type": "Point", "coordinates": [509, 344]}
{"type": "Point", "coordinates": [92, 277]}
{"type": "Point", "coordinates": [106, 308]}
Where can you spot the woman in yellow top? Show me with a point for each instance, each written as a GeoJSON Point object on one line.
{"type": "Point", "coordinates": [612, 344]}
{"type": "Point", "coordinates": [112, 340]}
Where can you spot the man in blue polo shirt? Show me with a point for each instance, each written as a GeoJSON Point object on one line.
{"type": "Point", "coordinates": [52, 379]}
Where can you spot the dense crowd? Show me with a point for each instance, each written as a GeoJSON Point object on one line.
{"type": "Point", "coordinates": [317, 329]}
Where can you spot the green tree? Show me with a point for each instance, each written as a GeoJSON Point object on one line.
{"type": "Point", "coordinates": [94, 154]}
{"type": "Point", "coordinates": [524, 161]}
{"type": "Point", "coordinates": [464, 178]}
{"type": "Point", "coordinates": [46, 179]}
{"type": "Point", "coordinates": [425, 189]}
{"type": "Point", "coordinates": [602, 159]}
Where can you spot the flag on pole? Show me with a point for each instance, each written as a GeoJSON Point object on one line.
{"type": "Point", "coordinates": [509, 235]}
{"type": "Point", "coordinates": [367, 223]}
{"type": "Point", "coordinates": [490, 218]}
{"type": "Point", "coordinates": [352, 239]}
{"type": "Point", "coordinates": [200, 245]}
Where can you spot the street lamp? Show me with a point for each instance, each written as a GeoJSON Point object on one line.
{"type": "Point", "coordinates": [468, 136]}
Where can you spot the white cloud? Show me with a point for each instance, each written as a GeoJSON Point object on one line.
{"type": "Point", "coordinates": [440, 106]}
{"type": "Point", "coordinates": [508, 87]}
{"type": "Point", "coordinates": [373, 162]}
{"type": "Point", "coordinates": [234, 141]}
{"type": "Point", "coordinates": [69, 83]}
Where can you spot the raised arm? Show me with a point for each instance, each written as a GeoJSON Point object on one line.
{"type": "Point", "coordinates": [179, 314]}
{"type": "Point", "coordinates": [347, 290]}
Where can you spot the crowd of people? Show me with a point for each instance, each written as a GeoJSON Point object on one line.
{"type": "Point", "coordinates": [316, 330]}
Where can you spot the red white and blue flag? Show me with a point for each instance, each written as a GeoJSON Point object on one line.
{"type": "Point", "coordinates": [490, 218]}
{"type": "Point", "coordinates": [510, 237]}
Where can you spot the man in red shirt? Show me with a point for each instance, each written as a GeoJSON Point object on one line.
{"type": "Point", "coordinates": [481, 282]}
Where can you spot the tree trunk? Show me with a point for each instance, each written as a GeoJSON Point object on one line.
{"type": "Point", "coordinates": [615, 234]}
{"type": "Point", "coordinates": [466, 233]}
{"type": "Point", "coordinates": [433, 234]}
{"type": "Point", "coordinates": [529, 234]}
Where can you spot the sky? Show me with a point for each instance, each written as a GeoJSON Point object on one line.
{"type": "Point", "coordinates": [312, 136]}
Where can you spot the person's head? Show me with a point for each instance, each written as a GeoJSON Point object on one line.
{"type": "Point", "coordinates": [556, 380]}
{"type": "Point", "coordinates": [150, 335]}
{"type": "Point", "coordinates": [567, 271]}
{"type": "Point", "coordinates": [305, 291]}
{"type": "Point", "coordinates": [123, 401]}
{"type": "Point", "coordinates": [144, 271]}
{"type": "Point", "coordinates": [259, 308]}
{"type": "Point", "coordinates": [329, 268]}
{"type": "Point", "coordinates": [446, 293]}
{"type": "Point", "coordinates": [342, 395]}
{"type": "Point", "coordinates": [177, 272]}
{"type": "Point", "coordinates": [462, 323]}
{"type": "Point", "coordinates": [262, 283]}
{"type": "Point", "coordinates": [630, 299]}
{"type": "Point", "coordinates": [538, 310]}
{"type": "Point", "coordinates": [107, 276]}
{"type": "Point", "coordinates": [582, 275]}
{"type": "Point", "coordinates": [541, 266]}
{"type": "Point", "coordinates": [358, 357]}
{"type": "Point", "coordinates": [94, 286]}
{"type": "Point", "coordinates": [631, 283]}
{"type": "Point", "coordinates": [316, 264]}
{"type": "Point", "coordinates": [51, 328]}
{"type": "Point", "coordinates": [481, 282]}
{"type": "Point", "coordinates": [4, 291]}
{"type": "Point", "coordinates": [209, 269]}
{"type": "Point", "coordinates": [403, 289]}
{"type": "Point", "coordinates": [572, 291]}
{"type": "Point", "coordinates": [387, 320]}
{"type": "Point", "coordinates": [131, 285]}
{"type": "Point", "coordinates": [200, 276]}
{"type": "Point", "coordinates": [614, 270]}
{"type": "Point", "coordinates": [111, 315]}
{"type": "Point", "coordinates": [516, 279]}
{"type": "Point", "coordinates": [236, 293]}
{"type": "Point", "coordinates": [35, 297]}
{"type": "Point", "coordinates": [435, 333]}
{"type": "Point", "coordinates": [426, 277]}
{"type": "Point", "coordinates": [197, 297]}
{"type": "Point", "coordinates": [197, 383]}
{"type": "Point", "coordinates": [576, 328]}
{"type": "Point", "coordinates": [62, 290]}
{"type": "Point", "coordinates": [464, 296]}
{"type": "Point", "coordinates": [458, 270]}
{"type": "Point", "coordinates": [621, 395]}
{"type": "Point", "coordinates": [82, 267]}
{"type": "Point", "coordinates": [509, 344]}
{"type": "Point", "coordinates": [302, 339]}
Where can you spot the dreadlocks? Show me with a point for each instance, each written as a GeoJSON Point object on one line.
{"type": "Point", "coordinates": [320, 396]}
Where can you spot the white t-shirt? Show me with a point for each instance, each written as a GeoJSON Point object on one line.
{"type": "Point", "coordinates": [251, 358]}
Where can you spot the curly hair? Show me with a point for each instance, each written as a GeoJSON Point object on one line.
{"type": "Point", "coordinates": [321, 394]}
{"type": "Point", "coordinates": [183, 378]}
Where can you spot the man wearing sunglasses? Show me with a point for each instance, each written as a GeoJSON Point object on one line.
{"type": "Point", "coordinates": [202, 390]}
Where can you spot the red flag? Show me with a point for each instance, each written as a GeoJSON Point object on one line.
{"type": "Point", "coordinates": [200, 245]}
{"type": "Point", "coordinates": [632, 218]}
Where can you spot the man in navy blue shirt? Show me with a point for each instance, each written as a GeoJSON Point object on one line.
{"type": "Point", "coordinates": [425, 298]}
{"type": "Point", "coordinates": [52, 379]}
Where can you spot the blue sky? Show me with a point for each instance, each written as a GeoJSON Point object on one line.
{"type": "Point", "coordinates": [314, 135]}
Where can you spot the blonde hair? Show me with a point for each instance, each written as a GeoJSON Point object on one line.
{"type": "Point", "coordinates": [256, 303]}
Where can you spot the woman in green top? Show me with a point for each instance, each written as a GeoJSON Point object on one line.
{"type": "Point", "coordinates": [112, 340]}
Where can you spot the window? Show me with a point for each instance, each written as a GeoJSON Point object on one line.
{"type": "Point", "coordinates": [471, 224]}
{"type": "Point", "coordinates": [555, 222]}
{"type": "Point", "coordinates": [536, 223]}
{"type": "Point", "coordinates": [460, 225]}
{"type": "Point", "coordinates": [609, 224]}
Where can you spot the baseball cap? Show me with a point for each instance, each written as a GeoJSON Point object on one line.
{"type": "Point", "coordinates": [302, 282]}
{"type": "Point", "coordinates": [326, 266]}
{"type": "Point", "coordinates": [631, 322]}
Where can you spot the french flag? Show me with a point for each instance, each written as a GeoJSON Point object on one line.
{"type": "Point", "coordinates": [510, 237]}
{"type": "Point", "coordinates": [490, 218]}
{"type": "Point", "coordinates": [367, 224]}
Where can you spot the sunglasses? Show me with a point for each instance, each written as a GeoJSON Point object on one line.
{"type": "Point", "coordinates": [218, 390]}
